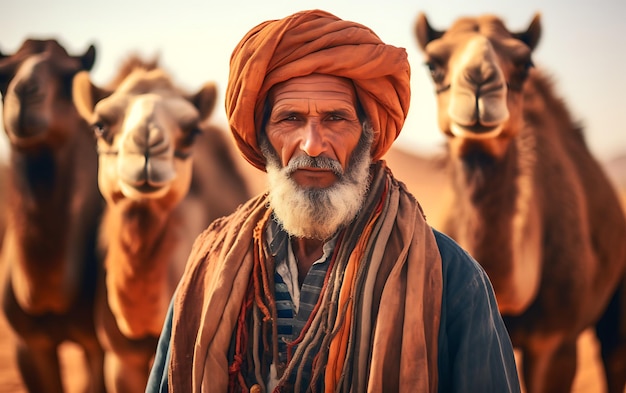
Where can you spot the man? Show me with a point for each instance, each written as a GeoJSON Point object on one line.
{"type": "Point", "coordinates": [333, 281]}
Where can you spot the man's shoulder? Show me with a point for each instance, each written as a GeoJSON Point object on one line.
{"type": "Point", "coordinates": [466, 286]}
{"type": "Point", "coordinates": [236, 217]}
{"type": "Point", "coordinates": [449, 246]}
{"type": "Point", "coordinates": [457, 263]}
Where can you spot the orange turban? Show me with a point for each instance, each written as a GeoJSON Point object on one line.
{"type": "Point", "coordinates": [311, 42]}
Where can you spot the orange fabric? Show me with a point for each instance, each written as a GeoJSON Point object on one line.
{"type": "Point", "coordinates": [311, 42]}
{"type": "Point", "coordinates": [339, 343]}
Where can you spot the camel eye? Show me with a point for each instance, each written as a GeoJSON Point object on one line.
{"type": "Point", "coordinates": [520, 75]}
{"type": "Point", "coordinates": [185, 143]}
{"type": "Point", "coordinates": [190, 137]}
{"type": "Point", "coordinates": [101, 131]}
{"type": "Point", "coordinates": [436, 71]}
{"type": "Point", "coordinates": [525, 69]}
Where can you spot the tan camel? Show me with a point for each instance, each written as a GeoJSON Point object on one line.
{"type": "Point", "coordinates": [531, 204]}
{"type": "Point", "coordinates": [54, 207]}
{"type": "Point", "coordinates": [165, 176]}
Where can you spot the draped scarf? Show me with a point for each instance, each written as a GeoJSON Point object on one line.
{"type": "Point", "coordinates": [377, 320]}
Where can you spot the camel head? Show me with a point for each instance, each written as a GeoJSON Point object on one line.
{"type": "Point", "coordinates": [145, 131]}
{"type": "Point", "coordinates": [479, 69]}
{"type": "Point", "coordinates": [36, 85]}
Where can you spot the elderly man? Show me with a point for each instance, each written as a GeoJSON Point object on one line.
{"type": "Point", "coordinates": [333, 280]}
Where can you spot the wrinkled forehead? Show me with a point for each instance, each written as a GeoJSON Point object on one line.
{"type": "Point", "coordinates": [314, 86]}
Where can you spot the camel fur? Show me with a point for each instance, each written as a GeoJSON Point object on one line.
{"type": "Point", "coordinates": [53, 209]}
{"type": "Point", "coordinates": [530, 203]}
{"type": "Point", "coordinates": [165, 174]}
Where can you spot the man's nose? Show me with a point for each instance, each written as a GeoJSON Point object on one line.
{"type": "Point", "coordinates": [312, 139]}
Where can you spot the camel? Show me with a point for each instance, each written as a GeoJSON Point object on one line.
{"type": "Point", "coordinates": [530, 202]}
{"type": "Point", "coordinates": [165, 174]}
{"type": "Point", "coordinates": [53, 209]}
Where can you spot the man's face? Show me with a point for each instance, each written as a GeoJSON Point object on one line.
{"type": "Point", "coordinates": [314, 116]}
{"type": "Point", "coordinates": [317, 154]}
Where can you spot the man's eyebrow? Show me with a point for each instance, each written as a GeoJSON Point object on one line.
{"type": "Point", "coordinates": [346, 107]}
{"type": "Point", "coordinates": [341, 111]}
{"type": "Point", "coordinates": [280, 111]}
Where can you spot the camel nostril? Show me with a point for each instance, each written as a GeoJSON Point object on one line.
{"type": "Point", "coordinates": [147, 140]}
{"type": "Point", "coordinates": [474, 76]}
{"type": "Point", "coordinates": [26, 89]}
{"type": "Point", "coordinates": [484, 76]}
{"type": "Point", "coordinates": [157, 142]}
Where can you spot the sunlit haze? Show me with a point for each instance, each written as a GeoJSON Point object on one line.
{"type": "Point", "coordinates": [582, 46]}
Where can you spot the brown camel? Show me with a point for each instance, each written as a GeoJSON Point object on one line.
{"type": "Point", "coordinates": [165, 175]}
{"type": "Point", "coordinates": [53, 211]}
{"type": "Point", "coordinates": [531, 203]}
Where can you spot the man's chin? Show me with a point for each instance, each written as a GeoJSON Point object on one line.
{"type": "Point", "coordinates": [318, 232]}
{"type": "Point", "coordinates": [301, 216]}
{"type": "Point", "coordinates": [317, 212]}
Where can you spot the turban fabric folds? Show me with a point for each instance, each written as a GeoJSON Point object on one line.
{"type": "Point", "coordinates": [312, 42]}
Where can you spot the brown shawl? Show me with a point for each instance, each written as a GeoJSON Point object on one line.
{"type": "Point", "coordinates": [389, 339]}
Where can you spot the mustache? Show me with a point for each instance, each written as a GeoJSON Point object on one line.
{"type": "Point", "coordinates": [306, 161]}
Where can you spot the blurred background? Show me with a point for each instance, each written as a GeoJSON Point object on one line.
{"type": "Point", "coordinates": [582, 46]}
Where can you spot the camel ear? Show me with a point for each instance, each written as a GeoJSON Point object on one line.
{"type": "Point", "coordinates": [88, 58]}
{"type": "Point", "coordinates": [531, 36]}
{"type": "Point", "coordinates": [424, 31]}
{"type": "Point", "coordinates": [204, 100]}
{"type": "Point", "coordinates": [86, 95]}
{"type": "Point", "coordinates": [5, 75]}
{"type": "Point", "coordinates": [8, 66]}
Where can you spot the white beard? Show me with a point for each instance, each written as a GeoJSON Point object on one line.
{"type": "Point", "coordinates": [318, 213]}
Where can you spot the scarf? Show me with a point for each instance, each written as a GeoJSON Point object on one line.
{"type": "Point", "coordinates": [377, 321]}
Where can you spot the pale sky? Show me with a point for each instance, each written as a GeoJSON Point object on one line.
{"type": "Point", "coordinates": [583, 46]}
